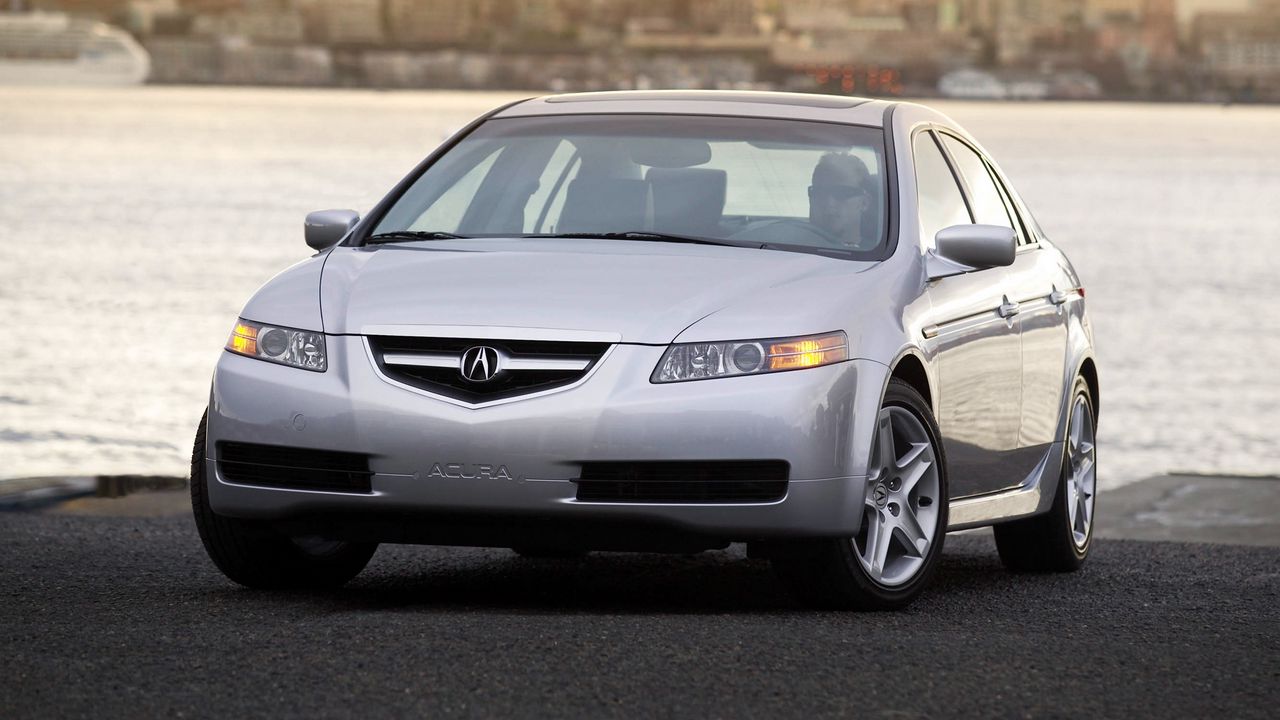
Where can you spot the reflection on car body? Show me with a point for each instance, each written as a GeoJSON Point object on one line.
{"type": "Point", "coordinates": [827, 327]}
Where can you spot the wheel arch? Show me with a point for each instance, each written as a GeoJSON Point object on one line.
{"type": "Point", "coordinates": [910, 368]}
{"type": "Point", "coordinates": [1089, 371]}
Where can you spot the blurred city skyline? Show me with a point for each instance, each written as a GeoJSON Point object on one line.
{"type": "Point", "coordinates": [1209, 50]}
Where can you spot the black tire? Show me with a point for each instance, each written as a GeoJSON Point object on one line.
{"type": "Point", "coordinates": [827, 572]}
{"type": "Point", "coordinates": [253, 554]}
{"type": "Point", "coordinates": [1044, 543]}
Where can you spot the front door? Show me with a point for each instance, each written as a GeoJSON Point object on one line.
{"type": "Point", "coordinates": [979, 360]}
{"type": "Point", "coordinates": [975, 338]}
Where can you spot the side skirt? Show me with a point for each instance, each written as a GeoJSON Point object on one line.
{"type": "Point", "coordinates": [1033, 496]}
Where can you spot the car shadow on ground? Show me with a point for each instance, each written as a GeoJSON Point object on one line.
{"type": "Point", "coordinates": [404, 578]}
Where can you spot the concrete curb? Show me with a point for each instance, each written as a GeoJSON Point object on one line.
{"type": "Point", "coordinates": [1194, 508]}
{"type": "Point", "coordinates": [24, 494]}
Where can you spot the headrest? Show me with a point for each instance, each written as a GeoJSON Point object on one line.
{"type": "Point", "coordinates": [687, 200]}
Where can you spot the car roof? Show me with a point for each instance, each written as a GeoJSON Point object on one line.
{"type": "Point", "coordinates": [792, 106]}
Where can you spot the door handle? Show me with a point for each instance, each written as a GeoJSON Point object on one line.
{"type": "Point", "coordinates": [1008, 308]}
{"type": "Point", "coordinates": [1057, 297]}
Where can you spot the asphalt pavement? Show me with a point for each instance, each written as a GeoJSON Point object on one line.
{"type": "Point", "coordinates": [120, 614]}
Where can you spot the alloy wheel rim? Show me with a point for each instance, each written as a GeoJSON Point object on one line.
{"type": "Point", "coordinates": [1081, 472]}
{"type": "Point", "coordinates": [900, 509]}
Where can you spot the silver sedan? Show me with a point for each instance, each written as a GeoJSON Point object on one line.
{"type": "Point", "coordinates": [826, 327]}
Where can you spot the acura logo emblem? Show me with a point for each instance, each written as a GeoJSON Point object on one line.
{"type": "Point", "coordinates": [880, 494]}
{"type": "Point", "coordinates": [479, 364]}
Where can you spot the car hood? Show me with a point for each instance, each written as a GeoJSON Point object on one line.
{"type": "Point", "coordinates": [623, 291]}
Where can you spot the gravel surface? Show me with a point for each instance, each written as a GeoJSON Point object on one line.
{"type": "Point", "coordinates": [125, 616]}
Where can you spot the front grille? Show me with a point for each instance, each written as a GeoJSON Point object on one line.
{"type": "Point", "coordinates": [525, 366]}
{"type": "Point", "coordinates": [294, 468]}
{"type": "Point", "coordinates": [727, 481]}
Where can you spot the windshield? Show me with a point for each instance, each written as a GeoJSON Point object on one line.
{"type": "Point", "coordinates": [741, 181]}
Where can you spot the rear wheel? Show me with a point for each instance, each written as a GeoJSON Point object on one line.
{"type": "Point", "coordinates": [893, 556]}
{"type": "Point", "coordinates": [255, 555]}
{"type": "Point", "coordinates": [1058, 541]}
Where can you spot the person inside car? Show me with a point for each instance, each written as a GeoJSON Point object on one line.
{"type": "Point", "coordinates": [839, 199]}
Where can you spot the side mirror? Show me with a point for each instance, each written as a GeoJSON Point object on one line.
{"type": "Point", "coordinates": [964, 248]}
{"type": "Point", "coordinates": [326, 227]}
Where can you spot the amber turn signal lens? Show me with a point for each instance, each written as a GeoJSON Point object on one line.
{"type": "Point", "coordinates": [244, 339]}
{"type": "Point", "coordinates": [808, 352]}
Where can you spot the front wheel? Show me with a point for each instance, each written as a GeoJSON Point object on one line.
{"type": "Point", "coordinates": [1058, 541]}
{"type": "Point", "coordinates": [904, 519]}
{"type": "Point", "coordinates": [255, 555]}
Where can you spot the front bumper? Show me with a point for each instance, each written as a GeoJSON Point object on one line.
{"type": "Point", "coordinates": [820, 421]}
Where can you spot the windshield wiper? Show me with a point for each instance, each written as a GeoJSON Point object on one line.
{"type": "Point", "coordinates": [410, 236]}
{"type": "Point", "coordinates": [648, 235]}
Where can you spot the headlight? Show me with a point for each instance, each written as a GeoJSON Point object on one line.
{"type": "Point", "coordinates": [700, 361]}
{"type": "Point", "coordinates": [296, 348]}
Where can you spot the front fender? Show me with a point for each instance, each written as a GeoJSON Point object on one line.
{"type": "Point", "coordinates": [291, 298]}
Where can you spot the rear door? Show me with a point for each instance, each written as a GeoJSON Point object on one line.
{"type": "Point", "coordinates": [977, 347]}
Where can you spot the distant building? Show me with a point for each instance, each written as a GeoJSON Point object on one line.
{"type": "Point", "coordinates": [1240, 51]}
{"type": "Point", "coordinates": [200, 7]}
{"type": "Point", "coordinates": [711, 27]}
{"type": "Point", "coordinates": [98, 9]}
{"type": "Point", "coordinates": [243, 63]}
{"type": "Point", "coordinates": [1098, 12]}
{"type": "Point", "coordinates": [876, 47]}
{"type": "Point", "coordinates": [431, 22]}
{"type": "Point", "coordinates": [344, 22]}
{"type": "Point", "coordinates": [541, 17]}
{"type": "Point", "coordinates": [725, 17]}
{"type": "Point", "coordinates": [1142, 36]}
{"type": "Point", "coordinates": [185, 60]}
{"type": "Point", "coordinates": [1022, 28]}
{"type": "Point", "coordinates": [1149, 25]}
{"type": "Point", "coordinates": [265, 25]}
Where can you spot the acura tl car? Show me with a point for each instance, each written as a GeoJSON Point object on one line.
{"type": "Point", "coordinates": [826, 327]}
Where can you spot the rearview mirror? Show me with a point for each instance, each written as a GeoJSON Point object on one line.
{"type": "Point", "coordinates": [965, 248]}
{"type": "Point", "coordinates": [326, 227]}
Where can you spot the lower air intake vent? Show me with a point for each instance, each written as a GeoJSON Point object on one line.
{"type": "Point", "coordinates": [294, 468]}
{"type": "Point", "coordinates": [729, 481]}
